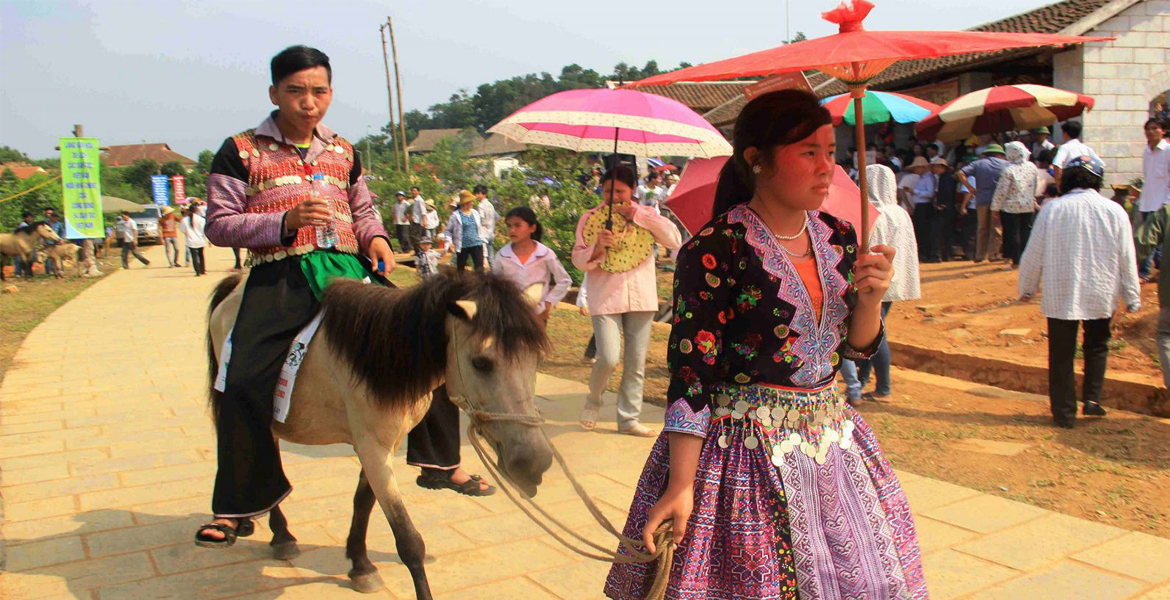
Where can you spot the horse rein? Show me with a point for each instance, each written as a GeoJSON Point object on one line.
{"type": "Point", "coordinates": [663, 536]}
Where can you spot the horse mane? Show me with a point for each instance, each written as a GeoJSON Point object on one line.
{"type": "Point", "coordinates": [396, 339]}
{"type": "Point", "coordinates": [30, 229]}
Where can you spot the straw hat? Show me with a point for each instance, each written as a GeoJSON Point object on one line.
{"type": "Point", "coordinates": [168, 211]}
{"type": "Point", "coordinates": [919, 161]}
{"type": "Point", "coordinates": [466, 197]}
{"type": "Point", "coordinates": [430, 203]}
{"type": "Point", "coordinates": [938, 160]}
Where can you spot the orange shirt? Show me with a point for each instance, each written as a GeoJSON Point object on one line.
{"type": "Point", "coordinates": [807, 269]}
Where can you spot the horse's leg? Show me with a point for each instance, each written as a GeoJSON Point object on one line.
{"type": "Point", "coordinates": [364, 574]}
{"type": "Point", "coordinates": [284, 544]}
{"type": "Point", "coordinates": [375, 461]}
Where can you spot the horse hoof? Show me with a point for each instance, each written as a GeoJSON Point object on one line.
{"type": "Point", "coordinates": [286, 551]}
{"type": "Point", "coordinates": [367, 583]}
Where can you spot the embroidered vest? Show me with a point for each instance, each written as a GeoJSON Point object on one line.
{"type": "Point", "coordinates": [278, 180]}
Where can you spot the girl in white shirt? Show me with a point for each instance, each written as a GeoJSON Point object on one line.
{"type": "Point", "coordinates": [526, 261]}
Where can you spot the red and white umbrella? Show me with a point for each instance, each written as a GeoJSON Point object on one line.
{"type": "Point", "coordinates": [620, 121]}
{"type": "Point", "coordinates": [1002, 108]}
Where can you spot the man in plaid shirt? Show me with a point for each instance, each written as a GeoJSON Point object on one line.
{"type": "Point", "coordinates": [1082, 249]}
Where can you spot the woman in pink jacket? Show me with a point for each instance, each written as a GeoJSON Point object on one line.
{"type": "Point", "coordinates": [622, 293]}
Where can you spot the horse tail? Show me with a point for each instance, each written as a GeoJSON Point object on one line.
{"type": "Point", "coordinates": [222, 290]}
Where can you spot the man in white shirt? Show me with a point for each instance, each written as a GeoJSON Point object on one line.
{"type": "Point", "coordinates": [1082, 248]}
{"type": "Point", "coordinates": [650, 193]}
{"type": "Point", "coordinates": [488, 217]}
{"type": "Point", "coordinates": [402, 221]}
{"type": "Point", "coordinates": [1041, 141]}
{"type": "Point", "coordinates": [1155, 184]}
{"type": "Point", "coordinates": [1072, 148]}
{"type": "Point", "coordinates": [128, 238]}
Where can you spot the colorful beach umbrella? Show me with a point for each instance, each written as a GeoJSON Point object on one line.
{"type": "Point", "coordinates": [879, 107]}
{"type": "Point", "coordinates": [855, 56]}
{"type": "Point", "coordinates": [1002, 108]}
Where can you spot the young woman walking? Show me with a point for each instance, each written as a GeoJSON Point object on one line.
{"type": "Point", "coordinates": [776, 487]}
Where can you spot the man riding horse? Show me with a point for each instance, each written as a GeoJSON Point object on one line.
{"type": "Point", "coordinates": [291, 192]}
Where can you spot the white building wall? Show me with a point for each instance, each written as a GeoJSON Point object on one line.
{"type": "Point", "coordinates": [1123, 76]}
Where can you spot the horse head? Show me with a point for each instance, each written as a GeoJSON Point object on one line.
{"type": "Point", "coordinates": [494, 342]}
{"type": "Point", "coordinates": [44, 231]}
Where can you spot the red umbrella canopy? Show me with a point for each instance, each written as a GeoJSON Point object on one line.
{"type": "Point", "coordinates": [693, 200]}
{"type": "Point", "coordinates": [855, 55]}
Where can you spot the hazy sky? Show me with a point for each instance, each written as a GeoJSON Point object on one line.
{"type": "Point", "coordinates": [190, 73]}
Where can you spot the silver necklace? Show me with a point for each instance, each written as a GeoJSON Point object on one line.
{"type": "Point", "coordinates": [806, 252]}
{"type": "Point", "coordinates": [789, 238]}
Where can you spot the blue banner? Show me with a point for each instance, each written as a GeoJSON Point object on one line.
{"type": "Point", "coordinates": [162, 189]}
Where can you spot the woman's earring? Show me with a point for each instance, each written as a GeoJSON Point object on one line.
{"type": "Point", "coordinates": [756, 169]}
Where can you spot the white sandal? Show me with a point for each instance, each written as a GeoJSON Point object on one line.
{"type": "Point", "coordinates": [639, 430]}
{"type": "Point", "coordinates": [589, 419]}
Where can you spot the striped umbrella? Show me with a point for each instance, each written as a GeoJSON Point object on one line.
{"type": "Point", "coordinates": [1002, 108]}
{"type": "Point", "coordinates": [879, 107]}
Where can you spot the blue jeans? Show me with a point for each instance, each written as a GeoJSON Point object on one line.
{"type": "Point", "coordinates": [1155, 257]}
{"type": "Point", "coordinates": [857, 375]}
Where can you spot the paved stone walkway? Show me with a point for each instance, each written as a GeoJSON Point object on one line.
{"type": "Point", "coordinates": [107, 458]}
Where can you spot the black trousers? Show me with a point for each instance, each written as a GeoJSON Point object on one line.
{"type": "Point", "coordinates": [236, 252]}
{"type": "Point", "coordinates": [1062, 348]}
{"type": "Point", "coordinates": [924, 218]}
{"type": "Point", "coordinates": [1017, 227]}
{"type": "Point", "coordinates": [968, 229]}
{"type": "Point", "coordinates": [476, 255]}
{"type": "Point", "coordinates": [197, 261]}
{"type": "Point", "coordinates": [402, 232]}
{"type": "Point", "coordinates": [944, 233]}
{"type": "Point", "coordinates": [434, 442]}
{"type": "Point", "coordinates": [277, 304]}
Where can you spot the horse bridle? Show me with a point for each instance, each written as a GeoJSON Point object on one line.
{"type": "Point", "coordinates": [636, 552]}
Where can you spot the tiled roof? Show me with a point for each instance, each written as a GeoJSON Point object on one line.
{"type": "Point", "coordinates": [700, 96]}
{"type": "Point", "coordinates": [1052, 18]}
{"type": "Point", "coordinates": [21, 170]}
{"type": "Point", "coordinates": [427, 138]}
{"type": "Point", "coordinates": [726, 113]}
{"type": "Point", "coordinates": [161, 153]}
{"type": "Point", "coordinates": [495, 145]}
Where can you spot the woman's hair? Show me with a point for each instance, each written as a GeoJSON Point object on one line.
{"type": "Point", "coordinates": [527, 215]}
{"type": "Point", "coordinates": [623, 174]}
{"type": "Point", "coordinates": [1078, 178]}
{"type": "Point", "coordinates": [768, 121]}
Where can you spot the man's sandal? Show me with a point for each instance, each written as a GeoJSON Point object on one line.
{"type": "Point", "coordinates": [589, 419]}
{"type": "Point", "coordinates": [471, 487]}
{"type": "Point", "coordinates": [243, 530]}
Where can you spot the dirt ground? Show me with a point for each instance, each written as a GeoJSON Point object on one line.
{"type": "Point", "coordinates": [972, 308]}
{"type": "Point", "coordinates": [1114, 470]}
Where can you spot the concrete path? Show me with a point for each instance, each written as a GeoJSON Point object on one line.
{"type": "Point", "coordinates": [107, 457]}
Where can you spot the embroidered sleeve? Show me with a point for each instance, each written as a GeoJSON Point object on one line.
{"type": "Point", "coordinates": [848, 235]}
{"type": "Point", "coordinates": [702, 305]}
{"type": "Point", "coordinates": [228, 222]}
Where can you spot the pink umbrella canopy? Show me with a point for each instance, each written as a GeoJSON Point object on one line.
{"type": "Point", "coordinates": [588, 121]}
{"type": "Point", "coordinates": [693, 200]}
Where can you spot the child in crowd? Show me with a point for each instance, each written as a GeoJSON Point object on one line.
{"type": "Point", "coordinates": [526, 261]}
{"type": "Point", "coordinates": [426, 259]}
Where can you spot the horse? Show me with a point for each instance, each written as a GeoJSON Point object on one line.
{"type": "Point", "coordinates": [366, 380]}
{"type": "Point", "coordinates": [65, 252]}
{"type": "Point", "coordinates": [22, 242]}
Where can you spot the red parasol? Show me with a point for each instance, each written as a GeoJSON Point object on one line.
{"type": "Point", "coordinates": [694, 198]}
{"type": "Point", "coordinates": [856, 56]}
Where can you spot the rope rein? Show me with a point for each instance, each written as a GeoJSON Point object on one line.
{"type": "Point", "coordinates": [663, 535]}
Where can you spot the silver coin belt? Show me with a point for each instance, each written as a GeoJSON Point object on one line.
{"type": "Point", "coordinates": [782, 420]}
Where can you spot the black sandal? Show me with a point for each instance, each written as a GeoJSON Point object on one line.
{"type": "Point", "coordinates": [442, 481]}
{"type": "Point", "coordinates": [245, 528]}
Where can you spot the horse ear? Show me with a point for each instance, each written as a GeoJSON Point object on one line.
{"type": "Point", "coordinates": [534, 293]}
{"type": "Point", "coordinates": [464, 309]}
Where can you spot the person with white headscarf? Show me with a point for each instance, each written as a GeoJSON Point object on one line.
{"type": "Point", "coordinates": [894, 228]}
{"type": "Point", "coordinates": [1015, 201]}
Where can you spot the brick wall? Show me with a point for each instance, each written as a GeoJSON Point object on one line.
{"type": "Point", "coordinates": [1123, 76]}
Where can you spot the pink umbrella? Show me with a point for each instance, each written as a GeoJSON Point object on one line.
{"type": "Point", "coordinates": [694, 199]}
{"type": "Point", "coordinates": [629, 122]}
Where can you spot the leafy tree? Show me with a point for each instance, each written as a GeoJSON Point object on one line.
{"type": "Point", "coordinates": [138, 174]}
{"type": "Point", "coordinates": [172, 168]}
{"type": "Point", "coordinates": [35, 201]}
{"type": "Point", "coordinates": [800, 37]}
{"type": "Point", "coordinates": [8, 154]}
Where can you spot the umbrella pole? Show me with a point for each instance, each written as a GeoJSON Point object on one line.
{"type": "Point", "coordinates": [858, 93]}
{"type": "Point", "coordinates": [609, 217]}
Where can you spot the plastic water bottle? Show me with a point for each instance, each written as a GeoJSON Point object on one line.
{"type": "Point", "coordinates": [326, 234]}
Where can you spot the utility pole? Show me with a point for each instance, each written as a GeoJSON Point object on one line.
{"type": "Point", "coordinates": [398, 84]}
{"type": "Point", "coordinates": [394, 141]}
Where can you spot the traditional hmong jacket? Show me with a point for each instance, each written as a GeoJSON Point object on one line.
{"type": "Point", "coordinates": [257, 176]}
{"type": "Point", "coordinates": [742, 315]}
